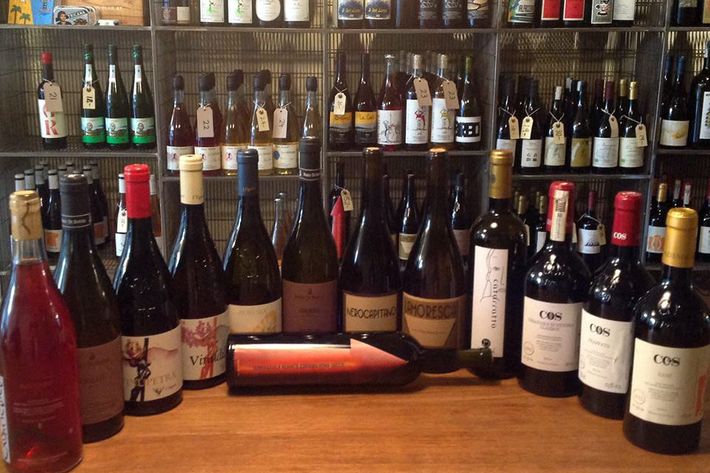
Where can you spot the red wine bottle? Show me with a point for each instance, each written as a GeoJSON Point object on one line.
{"type": "Point", "coordinates": [86, 288]}
{"type": "Point", "coordinates": [97, 218]}
{"type": "Point", "coordinates": [704, 231]}
{"type": "Point", "coordinates": [529, 156]}
{"type": "Point", "coordinates": [461, 220]}
{"type": "Point", "coordinates": [181, 137]}
{"type": "Point", "coordinates": [52, 218]}
{"type": "Point", "coordinates": [39, 378]}
{"type": "Point", "coordinates": [656, 230]}
{"type": "Point", "coordinates": [591, 235]}
{"type": "Point", "coordinates": [555, 288]}
{"type": "Point", "coordinates": [340, 118]}
{"type": "Point", "coordinates": [555, 140]}
{"type": "Point", "coordinates": [700, 102]}
{"type": "Point", "coordinates": [198, 285]}
{"type": "Point", "coordinates": [365, 107]}
{"type": "Point", "coordinates": [508, 127]}
{"type": "Point", "coordinates": [52, 122]}
{"type": "Point", "coordinates": [152, 366]}
{"type": "Point", "coordinates": [605, 144]}
{"type": "Point", "coordinates": [675, 119]}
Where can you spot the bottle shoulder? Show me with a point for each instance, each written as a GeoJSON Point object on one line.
{"type": "Point", "coordinates": [504, 227]}
{"type": "Point", "coordinates": [557, 266]}
{"type": "Point", "coordinates": [620, 280]}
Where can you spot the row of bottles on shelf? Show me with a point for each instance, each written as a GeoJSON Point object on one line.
{"type": "Point", "coordinates": [573, 136]}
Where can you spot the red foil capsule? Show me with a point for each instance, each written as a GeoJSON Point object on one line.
{"type": "Point", "coordinates": [626, 229]}
{"type": "Point", "coordinates": [137, 178]}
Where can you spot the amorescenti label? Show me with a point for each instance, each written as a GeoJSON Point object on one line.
{"type": "Point", "coordinates": [261, 318]}
{"type": "Point", "coordinates": [605, 353]}
{"type": "Point", "coordinates": [204, 346]}
{"type": "Point", "coordinates": [365, 313]}
{"type": "Point", "coordinates": [489, 293]}
{"type": "Point", "coordinates": [152, 366]}
{"type": "Point", "coordinates": [551, 335]}
{"type": "Point", "coordinates": [435, 323]}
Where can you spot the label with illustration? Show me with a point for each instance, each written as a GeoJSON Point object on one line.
{"type": "Point", "coordinates": [152, 366]}
{"type": "Point", "coordinates": [143, 130]}
{"type": "Point", "coordinates": [490, 280]}
{"type": "Point", "coordinates": [204, 346]}
{"type": "Point", "coordinates": [93, 130]}
{"type": "Point", "coordinates": [261, 318]}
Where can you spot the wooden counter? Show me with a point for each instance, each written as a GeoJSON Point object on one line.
{"type": "Point", "coordinates": [439, 424]}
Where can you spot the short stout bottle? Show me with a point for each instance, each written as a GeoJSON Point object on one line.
{"type": "Point", "coordinates": [461, 219]}
{"type": "Point", "coordinates": [52, 119]}
{"type": "Point", "coordinates": [389, 110]}
{"type": "Point", "coordinates": [671, 357]}
{"type": "Point", "coordinates": [369, 275]}
{"type": "Point", "coordinates": [529, 156]}
{"type": "Point", "coordinates": [181, 137]}
{"type": "Point", "coordinates": [121, 217]}
{"type": "Point", "coordinates": [555, 140]}
{"type": "Point", "coordinates": [607, 317]}
{"type": "Point", "coordinates": [142, 111]}
{"type": "Point", "coordinates": [269, 13]}
{"type": "Point", "coordinates": [208, 126]}
{"type": "Point", "coordinates": [556, 287]}
{"type": "Point", "coordinates": [285, 133]}
{"type": "Point", "coordinates": [310, 262]}
{"type": "Point", "coordinates": [52, 219]}
{"type": "Point", "coordinates": [508, 127]}
{"type": "Point", "coordinates": [93, 125]}
{"type": "Point", "coordinates": [379, 13]}
{"type": "Point", "coordinates": [700, 103]}
{"type": "Point", "coordinates": [236, 127]}
{"type": "Point", "coordinates": [350, 13]}
{"type": "Point", "coordinates": [632, 134]}
{"type": "Point", "coordinates": [152, 360]}
{"type": "Point", "coordinates": [498, 254]}
{"type": "Point", "coordinates": [468, 117]}
{"type": "Point", "coordinates": [340, 118]}
{"type": "Point", "coordinates": [656, 231]}
{"type": "Point", "coordinates": [580, 152]}
{"type": "Point", "coordinates": [605, 144]}
{"type": "Point", "coordinates": [408, 221]}
{"type": "Point", "coordinates": [250, 264]}
{"type": "Point", "coordinates": [117, 106]}
{"type": "Point", "coordinates": [198, 285]}
{"type": "Point", "coordinates": [365, 108]}
{"type": "Point", "coordinates": [434, 281]}
{"type": "Point", "coordinates": [417, 114]}
{"type": "Point", "coordinates": [675, 120]}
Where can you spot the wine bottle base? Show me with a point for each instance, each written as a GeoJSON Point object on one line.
{"type": "Point", "coordinates": [602, 404]}
{"type": "Point", "coordinates": [549, 384]}
{"type": "Point", "coordinates": [149, 408]}
{"type": "Point", "coordinates": [665, 439]}
{"type": "Point", "coordinates": [54, 143]}
{"type": "Point", "coordinates": [203, 384]}
{"type": "Point", "coordinates": [102, 430]}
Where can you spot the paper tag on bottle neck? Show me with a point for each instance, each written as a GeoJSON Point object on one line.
{"type": "Point", "coordinates": [347, 200]}
{"type": "Point", "coordinates": [526, 129]}
{"type": "Point", "coordinates": [205, 122]}
{"type": "Point", "coordinates": [53, 98]}
{"type": "Point", "coordinates": [614, 125]}
{"type": "Point", "coordinates": [601, 231]}
{"type": "Point", "coordinates": [451, 95]}
{"type": "Point", "coordinates": [641, 139]}
{"type": "Point", "coordinates": [558, 133]}
{"type": "Point", "coordinates": [339, 104]}
{"type": "Point", "coordinates": [262, 119]}
{"type": "Point", "coordinates": [280, 123]}
{"type": "Point", "coordinates": [421, 88]}
{"type": "Point", "coordinates": [88, 98]}
{"type": "Point", "coordinates": [514, 127]}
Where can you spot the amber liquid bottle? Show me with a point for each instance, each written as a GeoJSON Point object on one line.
{"type": "Point", "coordinates": [365, 107]}
{"type": "Point", "coordinates": [285, 131]}
{"type": "Point", "coordinates": [261, 125]}
{"type": "Point", "coordinates": [236, 128]}
{"type": "Point", "coordinates": [209, 127]}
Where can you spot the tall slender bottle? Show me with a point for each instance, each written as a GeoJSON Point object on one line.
{"type": "Point", "coordinates": [529, 155]}
{"type": "Point", "coordinates": [675, 120]}
{"type": "Point", "coordinates": [389, 110]}
{"type": "Point", "coordinates": [52, 219]}
{"type": "Point", "coordinates": [97, 217]}
{"type": "Point", "coordinates": [555, 140]}
{"type": "Point", "coordinates": [703, 253]}
{"type": "Point", "coordinates": [350, 13]}
{"type": "Point", "coordinates": [310, 262]}
{"type": "Point", "coordinates": [152, 365]}
{"type": "Point", "coordinates": [281, 228]}
{"type": "Point", "coordinates": [142, 111]}
{"type": "Point", "coordinates": [622, 102]}
{"type": "Point", "coordinates": [261, 125]}
{"type": "Point", "coordinates": [340, 118]}
{"type": "Point", "coordinates": [417, 116]}
{"type": "Point", "coordinates": [580, 151]}
{"type": "Point", "coordinates": [38, 355]}
{"type": "Point", "coordinates": [408, 221]}
{"type": "Point", "coordinates": [469, 116]}
{"type": "Point", "coordinates": [461, 220]}
{"type": "Point", "coordinates": [285, 135]}
{"type": "Point", "coordinates": [656, 231]}
{"type": "Point", "coordinates": [605, 146]}
{"type": "Point", "coordinates": [311, 118]}
{"type": "Point", "coordinates": [86, 288]}
{"type": "Point", "coordinates": [93, 125]}
{"type": "Point", "coordinates": [443, 125]}
{"type": "Point", "coordinates": [52, 121]}
{"type": "Point", "coordinates": [236, 128]}
{"type": "Point", "coordinates": [208, 127]}
{"type": "Point", "coordinates": [365, 107]}
{"type": "Point", "coordinates": [700, 102]}
{"type": "Point", "coordinates": [632, 134]}
{"type": "Point", "coordinates": [181, 137]}
{"type": "Point", "coordinates": [117, 106]}
{"type": "Point", "coordinates": [508, 126]}
{"type": "Point", "coordinates": [390, 214]}
{"type": "Point", "coordinates": [121, 217]}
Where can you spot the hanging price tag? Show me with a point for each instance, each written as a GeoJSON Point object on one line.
{"type": "Point", "coordinates": [614, 125]}
{"type": "Point", "coordinates": [347, 200]}
{"type": "Point", "coordinates": [339, 104]}
{"type": "Point", "coordinates": [601, 231]}
{"type": "Point", "coordinates": [558, 133]}
{"type": "Point", "coordinates": [88, 98]}
{"type": "Point", "coordinates": [205, 122]}
{"type": "Point", "coordinates": [641, 139]}
{"type": "Point", "coordinates": [514, 127]}
{"type": "Point", "coordinates": [280, 122]}
{"type": "Point", "coordinates": [421, 87]}
{"type": "Point", "coordinates": [450, 94]}
{"type": "Point", "coordinates": [262, 119]}
{"type": "Point", "coordinates": [526, 129]}
{"type": "Point", "coordinates": [53, 98]}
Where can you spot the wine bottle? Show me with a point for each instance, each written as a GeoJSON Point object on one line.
{"type": "Point", "coordinates": [389, 110]}
{"type": "Point", "coordinates": [86, 289]}
{"type": "Point", "coordinates": [461, 220]}
{"type": "Point", "coordinates": [212, 12]}
{"type": "Point", "coordinates": [599, 13]}
{"type": "Point", "coordinates": [390, 214]}
{"type": "Point", "coordinates": [549, 13]}
{"type": "Point", "coordinates": [261, 125]}
{"type": "Point", "coordinates": [209, 126]}
{"type": "Point", "coordinates": [521, 13]}
{"type": "Point", "coordinates": [117, 106]}
{"type": "Point", "coordinates": [580, 153]}
{"type": "Point", "coordinates": [240, 13]}
{"type": "Point", "coordinates": [677, 199]}
{"type": "Point", "coordinates": [236, 128]}
{"type": "Point", "coordinates": [429, 14]}
{"type": "Point", "coordinates": [478, 13]}
{"type": "Point", "coordinates": [369, 276]}
{"type": "Point", "coordinates": [529, 155]}
{"type": "Point", "coordinates": [685, 13]}
{"type": "Point", "coordinates": [297, 13]}
{"type": "Point", "coordinates": [281, 229]}
{"type": "Point", "coordinates": [351, 13]}
{"type": "Point", "coordinates": [121, 217]}
{"type": "Point", "coordinates": [469, 116]}
{"type": "Point", "coordinates": [597, 104]}
{"type": "Point", "coordinates": [97, 218]}
{"type": "Point", "coordinates": [28, 178]}
{"type": "Point", "coordinates": [181, 137]}
{"type": "Point", "coordinates": [573, 13]}
{"type": "Point", "coordinates": [152, 371]}
{"type": "Point", "coordinates": [42, 186]}
{"type": "Point", "coordinates": [310, 261]}
{"type": "Point", "coordinates": [198, 285]}
{"type": "Point", "coordinates": [607, 316]}
{"type": "Point", "coordinates": [703, 253]}
{"type": "Point", "coordinates": [508, 127]}
{"type": "Point", "coordinates": [632, 134]}
{"type": "Point", "coordinates": [379, 13]}
{"type": "Point", "coordinates": [656, 231]}
{"type": "Point", "coordinates": [624, 12]}
{"type": "Point", "coordinates": [591, 235]}
{"type": "Point", "coordinates": [452, 13]}
{"type": "Point", "coordinates": [346, 359]}
{"type": "Point", "coordinates": [340, 118]}
{"type": "Point", "coordinates": [498, 254]}
{"type": "Point", "coordinates": [443, 126]}
{"type": "Point", "coordinates": [534, 222]}
{"type": "Point", "coordinates": [142, 113]}
{"type": "Point", "coordinates": [269, 13]}
{"type": "Point", "coordinates": [93, 126]}
{"type": "Point", "coordinates": [285, 135]}
{"type": "Point", "coordinates": [699, 135]}
{"type": "Point", "coordinates": [675, 120]}
{"type": "Point", "coordinates": [434, 286]}
{"type": "Point", "coordinates": [408, 221]}
{"type": "Point", "coordinates": [98, 194]}
{"type": "Point", "coordinates": [605, 144]}
{"type": "Point", "coordinates": [622, 100]}
{"type": "Point", "coordinates": [38, 348]}
{"type": "Point", "coordinates": [365, 107]}
{"type": "Point", "coordinates": [671, 354]}
{"type": "Point", "coordinates": [555, 288]}
{"type": "Point", "coordinates": [311, 117]}
{"type": "Point", "coordinates": [555, 140]}
{"type": "Point", "coordinates": [52, 122]}
{"type": "Point", "coordinates": [52, 219]}
{"type": "Point", "coordinates": [417, 116]}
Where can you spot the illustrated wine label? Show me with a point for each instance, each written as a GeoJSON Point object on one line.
{"type": "Point", "coordinates": [541, 239]}
{"type": "Point", "coordinates": [366, 127]}
{"type": "Point", "coordinates": [521, 11]}
{"type": "Point", "coordinates": [93, 130]}
{"type": "Point", "coordinates": [434, 323]}
{"type": "Point", "coordinates": [152, 366]}
{"type": "Point", "coordinates": [378, 9]}
{"type": "Point", "coordinates": [605, 353]}
{"type": "Point", "coordinates": [286, 156]}
{"type": "Point", "coordinates": [674, 132]}
{"type": "Point", "coordinates": [468, 129]}
{"type": "Point", "coordinates": [463, 238]}
{"type": "Point", "coordinates": [417, 123]}
{"type": "Point", "coordinates": [550, 10]}
{"type": "Point", "coordinates": [100, 382]}
{"type": "Point", "coordinates": [668, 384]}
{"type": "Point", "coordinates": [630, 154]}
{"type": "Point", "coordinates": [489, 297]}
{"type": "Point", "coordinates": [389, 127]}
{"type": "Point", "coordinates": [51, 124]}
{"type": "Point", "coordinates": [4, 432]}
{"type": "Point", "coordinates": [554, 153]}
{"type": "Point", "coordinates": [339, 127]}
{"type": "Point", "coordinates": [204, 347]}
{"type": "Point", "coordinates": [296, 10]}
{"type": "Point", "coordinates": [52, 240]}
{"type": "Point", "coordinates": [229, 156]}
{"type": "Point", "coordinates": [588, 241]}
{"type": "Point", "coordinates": [605, 153]}
{"type": "Point", "coordinates": [602, 11]}
{"type": "Point", "coordinates": [704, 118]}
{"type": "Point", "coordinates": [351, 9]}
{"type": "Point", "coordinates": [581, 152]}
{"type": "Point", "coordinates": [428, 10]}
{"type": "Point", "coordinates": [310, 308]}
{"type": "Point", "coordinates": [406, 242]}
{"type": "Point", "coordinates": [656, 236]}
{"type": "Point", "coordinates": [624, 10]}
{"type": "Point", "coordinates": [143, 130]}
{"type": "Point", "coordinates": [212, 11]}
{"type": "Point", "coordinates": [573, 10]}
{"type": "Point", "coordinates": [531, 153]}
{"type": "Point", "coordinates": [211, 157]}
{"type": "Point", "coordinates": [239, 12]}
{"type": "Point", "coordinates": [551, 335]}
{"type": "Point", "coordinates": [266, 156]}
{"type": "Point", "coordinates": [261, 318]}
{"type": "Point", "coordinates": [268, 10]}
{"type": "Point", "coordinates": [173, 155]}
{"type": "Point", "coordinates": [116, 131]}
{"type": "Point", "coordinates": [376, 313]}
{"type": "Point", "coordinates": [442, 122]}
{"type": "Point", "coordinates": [509, 145]}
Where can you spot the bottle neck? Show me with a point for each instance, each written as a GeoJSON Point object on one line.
{"type": "Point", "coordinates": [312, 100]}
{"type": "Point", "coordinates": [140, 231]}
{"type": "Point", "coordinates": [248, 208]}
{"type": "Point", "coordinates": [207, 97]}
{"type": "Point", "coordinates": [373, 195]}
{"type": "Point", "coordinates": [80, 240]}
{"type": "Point", "coordinates": [178, 97]}
{"type": "Point", "coordinates": [28, 251]}
{"type": "Point", "coordinates": [340, 70]}
{"type": "Point", "coordinates": [48, 72]}
{"type": "Point", "coordinates": [365, 75]}
{"type": "Point", "coordinates": [310, 208]}
{"type": "Point", "coordinates": [436, 198]}
{"type": "Point", "coordinates": [626, 253]}
{"type": "Point", "coordinates": [677, 276]}
{"type": "Point", "coordinates": [284, 98]}
{"type": "Point", "coordinates": [89, 73]}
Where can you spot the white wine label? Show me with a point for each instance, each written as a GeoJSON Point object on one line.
{"type": "Point", "coordinates": [211, 157]}
{"type": "Point", "coordinates": [656, 236]}
{"type": "Point", "coordinates": [262, 318]}
{"type": "Point", "coordinates": [51, 124]}
{"type": "Point", "coordinates": [239, 12]}
{"type": "Point", "coordinates": [551, 335]}
{"type": "Point", "coordinates": [434, 323]}
{"type": "Point", "coordinates": [463, 238]}
{"type": "Point", "coordinates": [704, 117]}
{"type": "Point", "coordinates": [588, 241]}
{"type": "Point", "coordinates": [630, 155]}
{"type": "Point", "coordinates": [266, 156]}
{"type": "Point", "coordinates": [296, 10]}
{"type": "Point", "coordinates": [389, 127]}
{"type": "Point", "coordinates": [286, 156]}
{"type": "Point", "coordinates": [204, 122]}
{"type": "Point", "coordinates": [369, 313]}
{"type": "Point", "coordinates": [204, 347]}
{"type": "Point", "coordinates": [490, 279]}
{"type": "Point", "coordinates": [541, 239]}
{"type": "Point", "coordinates": [229, 156]}
{"type": "Point", "coordinates": [605, 353]}
{"type": "Point", "coordinates": [53, 240]}
{"type": "Point", "coordinates": [4, 432]}
{"type": "Point", "coordinates": [421, 88]}
{"type": "Point", "coordinates": [406, 242]}
{"type": "Point", "coordinates": [509, 145]}
{"type": "Point", "coordinates": [531, 153]}
{"type": "Point", "coordinates": [704, 240]}
{"type": "Point", "coordinates": [605, 153]}
{"type": "Point", "coordinates": [417, 123]}
{"type": "Point", "coordinates": [268, 10]}
{"type": "Point", "coordinates": [624, 10]}
{"type": "Point", "coordinates": [468, 129]}
{"type": "Point", "coordinates": [668, 384]}
{"type": "Point", "coordinates": [442, 122]}
{"type": "Point", "coordinates": [674, 132]}
{"type": "Point", "coordinates": [152, 366]}
{"type": "Point", "coordinates": [554, 153]}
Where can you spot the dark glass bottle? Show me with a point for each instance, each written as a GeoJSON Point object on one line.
{"type": "Point", "coordinates": [379, 13]}
{"type": "Point", "coordinates": [529, 155]}
{"type": "Point", "coordinates": [97, 217]}
{"type": "Point", "coordinates": [656, 231]}
{"type": "Point", "coordinates": [98, 194]}
{"type": "Point", "coordinates": [429, 13]}
{"type": "Point", "coordinates": [700, 104]}
{"type": "Point", "coordinates": [534, 222]}
{"type": "Point", "coordinates": [405, 14]}
{"type": "Point", "coordinates": [286, 145]}
{"type": "Point", "coordinates": [469, 115]}
{"type": "Point", "coordinates": [631, 151]}
{"type": "Point", "coordinates": [142, 112]}
{"type": "Point", "coordinates": [52, 219]}
{"type": "Point", "coordinates": [505, 140]}
{"type": "Point", "coordinates": [408, 221]}
{"type": "Point", "coordinates": [591, 235]}
{"type": "Point", "coordinates": [181, 136]}
{"type": "Point", "coordinates": [52, 121]}
{"type": "Point", "coordinates": [417, 115]}
{"type": "Point", "coordinates": [443, 126]}
{"type": "Point", "coordinates": [340, 107]}
{"type": "Point", "coordinates": [389, 110]}
{"type": "Point", "coordinates": [685, 13]}
{"type": "Point", "coordinates": [93, 126]}
{"type": "Point", "coordinates": [350, 13]}
{"type": "Point", "coordinates": [605, 144]}
{"type": "Point", "coordinates": [555, 139]}
{"type": "Point", "coordinates": [365, 107]}
{"type": "Point", "coordinates": [42, 185]}
{"type": "Point", "coordinates": [622, 100]}
{"type": "Point", "coordinates": [675, 119]}
{"type": "Point", "coordinates": [478, 14]}
{"type": "Point", "coordinates": [597, 104]}
{"type": "Point", "coordinates": [579, 158]}
{"type": "Point", "coordinates": [117, 106]}
{"type": "Point", "coordinates": [121, 217]}
{"type": "Point", "coordinates": [703, 253]}
{"type": "Point", "coordinates": [390, 213]}
{"type": "Point", "coordinates": [338, 217]}
{"type": "Point", "coordinates": [461, 219]}
{"type": "Point", "coordinates": [667, 79]}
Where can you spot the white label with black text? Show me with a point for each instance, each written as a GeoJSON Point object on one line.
{"type": "Point", "coordinates": [630, 154]}
{"type": "Point", "coordinates": [531, 153]}
{"type": "Point", "coordinates": [704, 240]}
{"type": "Point", "coordinates": [588, 241]}
{"type": "Point", "coordinates": [488, 304]}
{"type": "Point", "coordinates": [551, 335]}
{"type": "Point", "coordinates": [705, 117]}
{"type": "Point", "coordinates": [605, 152]}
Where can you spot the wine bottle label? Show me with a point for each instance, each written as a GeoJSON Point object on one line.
{"type": "Point", "coordinates": [463, 238]}
{"type": "Point", "coordinates": [239, 12]}
{"type": "Point", "coordinates": [605, 153]}
{"type": "Point", "coordinates": [551, 335]}
{"type": "Point", "coordinates": [342, 122]}
{"type": "Point", "coordinates": [602, 12]}
{"type": "Point", "coordinates": [630, 154]}
{"type": "Point", "coordinates": [378, 9]}
{"type": "Point", "coordinates": [509, 145]}
{"type": "Point", "coordinates": [152, 366]}
{"type": "Point", "coordinates": [452, 9]}
{"type": "Point", "coordinates": [434, 323]}
{"type": "Point", "coordinates": [310, 307]}
{"type": "Point", "coordinates": [588, 241]}
{"type": "Point", "coordinates": [704, 240]}
{"type": "Point", "coordinates": [366, 126]}
{"type": "Point", "coordinates": [417, 123]}
{"type": "Point", "coordinates": [143, 130]}
{"type": "Point", "coordinates": [624, 10]}
{"type": "Point", "coordinates": [389, 127]}
{"type": "Point", "coordinates": [704, 118]}
{"type": "Point", "coordinates": [296, 10]}
{"type": "Point", "coordinates": [605, 353]}
{"type": "Point", "coordinates": [668, 384]}
{"type": "Point", "coordinates": [53, 240]}
{"type": "Point", "coordinates": [212, 11]}
{"type": "Point", "coordinates": [490, 282]}
{"type": "Point", "coordinates": [351, 10]}
{"type": "Point", "coordinates": [229, 156]}
{"type": "Point", "coordinates": [656, 236]}
{"type": "Point", "coordinates": [51, 124]}
{"type": "Point", "coordinates": [581, 152]}
{"type": "Point", "coordinates": [550, 10]}
{"type": "Point", "coordinates": [100, 382]}
{"type": "Point", "coordinates": [211, 157]}
{"type": "Point", "coordinates": [266, 156]}
{"type": "Point", "coordinates": [477, 9]}
{"type": "Point", "coordinates": [442, 122]}
{"type": "Point", "coordinates": [183, 15]}
{"type": "Point", "coordinates": [573, 10]}
{"type": "Point", "coordinates": [468, 129]}
{"type": "Point", "coordinates": [674, 132]}
{"type": "Point", "coordinates": [531, 153]}
{"type": "Point", "coordinates": [268, 10]}
{"type": "Point", "coordinates": [99, 234]}
{"type": "Point", "coordinates": [4, 431]}
{"type": "Point", "coordinates": [369, 313]}
{"type": "Point", "coordinates": [204, 347]}
{"type": "Point", "coordinates": [554, 153]}
{"type": "Point", "coordinates": [406, 242]}
{"type": "Point", "coordinates": [521, 11]}
{"type": "Point", "coordinates": [168, 14]}
{"type": "Point", "coordinates": [286, 156]}
{"type": "Point", "coordinates": [260, 318]}
{"type": "Point", "coordinates": [541, 239]}
{"type": "Point", "coordinates": [116, 131]}
{"type": "Point", "coordinates": [428, 10]}
{"type": "Point", "coordinates": [173, 155]}
{"type": "Point", "coordinates": [93, 130]}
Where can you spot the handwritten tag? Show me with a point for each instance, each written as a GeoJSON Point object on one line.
{"type": "Point", "coordinates": [558, 133]}
{"type": "Point", "coordinates": [88, 98]}
{"type": "Point", "coordinates": [614, 125]}
{"type": "Point", "coordinates": [514, 127]}
{"type": "Point", "coordinates": [205, 122]}
{"type": "Point", "coordinates": [526, 129]}
{"type": "Point", "coordinates": [347, 200]}
{"type": "Point", "coordinates": [450, 94]}
{"type": "Point", "coordinates": [421, 87]}
{"type": "Point", "coordinates": [262, 119]}
{"type": "Point", "coordinates": [53, 98]}
{"type": "Point", "coordinates": [280, 123]}
{"type": "Point", "coordinates": [601, 231]}
{"type": "Point", "coordinates": [339, 104]}
{"type": "Point", "coordinates": [641, 138]}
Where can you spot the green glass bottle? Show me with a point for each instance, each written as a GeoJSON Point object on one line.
{"type": "Point", "coordinates": [93, 126]}
{"type": "Point", "coordinates": [116, 104]}
{"type": "Point", "coordinates": [142, 111]}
